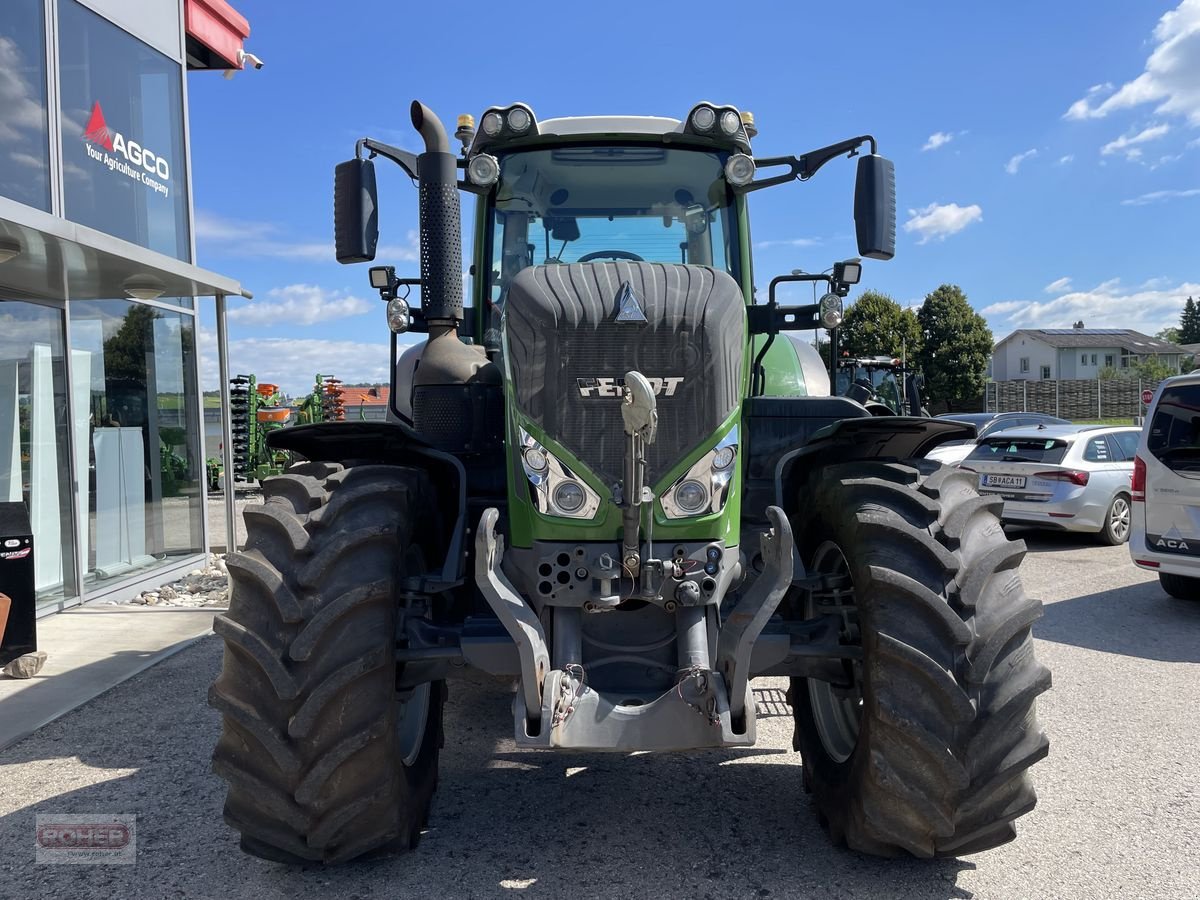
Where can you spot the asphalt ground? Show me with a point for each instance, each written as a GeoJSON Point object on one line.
{"type": "Point", "coordinates": [1118, 816]}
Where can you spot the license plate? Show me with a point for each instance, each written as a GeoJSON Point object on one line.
{"type": "Point", "coordinates": [1002, 481]}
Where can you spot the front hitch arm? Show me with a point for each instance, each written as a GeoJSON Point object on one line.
{"type": "Point", "coordinates": [735, 645]}
{"type": "Point", "coordinates": [518, 618]}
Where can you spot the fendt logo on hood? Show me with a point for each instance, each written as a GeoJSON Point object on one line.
{"type": "Point", "coordinates": [594, 388]}
{"type": "Point", "coordinates": [127, 157]}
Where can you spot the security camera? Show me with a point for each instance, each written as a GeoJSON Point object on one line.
{"type": "Point", "coordinates": [244, 57]}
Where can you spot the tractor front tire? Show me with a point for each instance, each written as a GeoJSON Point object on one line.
{"type": "Point", "coordinates": [324, 760]}
{"type": "Point", "coordinates": [928, 752]}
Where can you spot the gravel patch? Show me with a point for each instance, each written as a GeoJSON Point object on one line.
{"type": "Point", "coordinates": [205, 587]}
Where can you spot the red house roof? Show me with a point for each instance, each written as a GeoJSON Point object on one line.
{"type": "Point", "coordinates": [353, 397]}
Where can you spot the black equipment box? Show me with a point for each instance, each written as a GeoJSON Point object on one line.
{"type": "Point", "coordinates": [18, 616]}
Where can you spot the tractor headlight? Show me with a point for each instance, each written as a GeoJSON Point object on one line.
{"type": "Point", "coordinates": [739, 170]}
{"type": "Point", "coordinates": [535, 459]}
{"type": "Point", "coordinates": [730, 122]}
{"type": "Point", "coordinates": [704, 487]}
{"type": "Point", "coordinates": [703, 118]}
{"type": "Point", "coordinates": [398, 316]}
{"type": "Point", "coordinates": [553, 488]}
{"type": "Point", "coordinates": [723, 458]}
{"type": "Point", "coordinates": [483, 170]}
{"type": "Point", "coordinates": [491, 124]}
{"type": "Point", "coordinates": [831, 311]}
{"type": "Point", "coordinates": [519, 119]}
{"type": "Point", "coordinates": [569, 496]}
{"type": "Point", "coordinates": [691, 496]}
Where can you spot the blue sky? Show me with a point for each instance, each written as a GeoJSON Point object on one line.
{"type": "Point", "coordinates": [1047, 154]}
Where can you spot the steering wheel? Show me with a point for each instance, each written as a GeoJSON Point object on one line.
{"type": "Point", "coordinates": [610, 254]}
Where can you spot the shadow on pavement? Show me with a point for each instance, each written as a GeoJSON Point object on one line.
{"type": "Point", "coordinates": [1137, 620]}
{"type": "Point", "coordinates": [1045, 540]}
{"type": "Point", "coordinates": [719, 824]}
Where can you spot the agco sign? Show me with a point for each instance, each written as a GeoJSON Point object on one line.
{"type": "Point", "coordinates": [140, 163]}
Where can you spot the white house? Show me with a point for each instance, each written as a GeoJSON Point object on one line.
{"type": "Point", "coordinates": [1036, 354]}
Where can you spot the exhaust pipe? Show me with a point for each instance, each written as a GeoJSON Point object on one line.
{"type": "Point", "coordinates": [441, 234]}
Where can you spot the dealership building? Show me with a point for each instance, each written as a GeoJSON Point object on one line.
{"type": "Point", "coordinates": [101, 426]}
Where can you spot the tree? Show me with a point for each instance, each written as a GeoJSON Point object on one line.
{"type": "Point", "coordinates": [1189, 323]}
{"type": "Point", "coordinates": [876, 325]}
{"type": "Point", "coordinates": [1151, 368]}
{"type": "Point", "coordinates": [1171, 335]}
{"type": "Point", "coordinates": [956, 346]}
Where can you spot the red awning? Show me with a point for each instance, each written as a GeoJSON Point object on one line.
{"type": "Point", "coordinates": [215, 32]}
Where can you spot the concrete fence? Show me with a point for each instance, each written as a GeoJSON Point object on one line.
{"type": "Point", "coordinates": [1098, 398]}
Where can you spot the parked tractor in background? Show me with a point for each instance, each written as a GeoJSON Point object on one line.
{"type": "Point", "coordinates": [618, 479]}
{"type": "Point", "coordinates": [884, 385]}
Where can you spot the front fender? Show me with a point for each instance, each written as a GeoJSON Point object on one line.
{"type": "Point", "coordinates": [394, 444]}
{"type": "Point", "coordinates": [882, 437]}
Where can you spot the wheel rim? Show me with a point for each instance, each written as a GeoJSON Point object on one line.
{"type": "Point", "coordinates": [412, 717]}
{"type": "Point", "coordinates": [837, 712]}
{"type": "Point", "coordinates": [1118, 519]}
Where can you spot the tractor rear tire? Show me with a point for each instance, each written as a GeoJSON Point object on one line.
{"type": "Point", "coordinates": [324, 760]}
{"type": "Point", "coordinates": [928, 753]}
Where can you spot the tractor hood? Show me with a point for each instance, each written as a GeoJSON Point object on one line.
{"type": "Point", "coordinates": [573, 331]}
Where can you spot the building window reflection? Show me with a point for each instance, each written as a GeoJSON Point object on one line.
{"type": "Point", "coordinates": [34, 447]}
{"type": "Point", "coordinates": [24, 118]}
{"type": "Point", "coordinates": [122, 134]}
{"type": "Point", "coordinates": [144, 503]}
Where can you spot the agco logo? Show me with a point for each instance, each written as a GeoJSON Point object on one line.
{"type": "Point", "coordinates": [139, 163]}
{"type": "Point", "coordinates": [615, 387]}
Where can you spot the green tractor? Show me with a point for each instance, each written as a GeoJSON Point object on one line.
{"type": "Point", "coordinates": [618, 480]}
{"type": "Point", "coordinates": [885, 386]}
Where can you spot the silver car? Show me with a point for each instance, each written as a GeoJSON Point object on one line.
{"type": "Point", "coordinates": [1065, 477]}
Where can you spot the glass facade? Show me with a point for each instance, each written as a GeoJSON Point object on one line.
{"type": "Point", "coordinates": [133, 367]}
{"type": "Point", "coordinates": [123, 151]}
{"type": "Point", "coordinates": [100, 422]}
{"type": "Point", "coordinates": [24, 115]}
{"type": "Point", "coordinates": [35, 457]}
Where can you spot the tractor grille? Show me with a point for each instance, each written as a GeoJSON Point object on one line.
{"type": "Point", "coordinates": [567, 355]}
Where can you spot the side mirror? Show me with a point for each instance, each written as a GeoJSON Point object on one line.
{"type": "Point", "coordinates": [875, 207]}
{"type": "Point", "coordinates": [355, 211]}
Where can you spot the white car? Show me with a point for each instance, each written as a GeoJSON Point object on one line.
{"type": "Point", "coordinates": [1166, 489]}
{"type": "Point", "coordinates": [1062, 477]}
{"type": "Point", "coordinates": [951, 453]}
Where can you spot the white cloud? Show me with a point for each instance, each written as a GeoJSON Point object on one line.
{"type": "Point", "coordinates": [937, 222]}
{"type": "Point", "coordinates": [1127, 143]}
{"type": "Point", "coordinates": [1014, 164]}
{"type": "Point", "coordinates": [1109, 305]}
{"type": "Point", "coordinates": [23, 112]}
{"type": "Point", "coordinates": [938, 139]}
{"type": "Point", "coordinates": [1057, 286]}
{"type": "Point", "coordinates": [1068, 158]}
{"type": "Point", "coordinates": [793, 242]}
{"type": "Point", "coordinates": [1160, 196]}
{"type": "Point", "coordinates": [300, 304]}
{"type": "Point", "coordinates": [293, 363]}
{"type": "Point", "coordinates": [264, 239]}
{"type": "Point", "coordinates": [1172, 73]}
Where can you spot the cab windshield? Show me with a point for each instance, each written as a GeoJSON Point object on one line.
{"type": "Point", "coordinates": [583, 204]}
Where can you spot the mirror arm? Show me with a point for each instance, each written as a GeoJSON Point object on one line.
{"type": "Point", "coordinates": [806, 166]}
{"type": "Point", "coordinates": [813, 160]}
{"type": "Point", "coordinates": [405, 160]}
